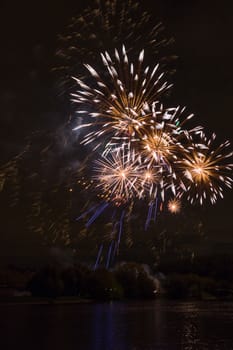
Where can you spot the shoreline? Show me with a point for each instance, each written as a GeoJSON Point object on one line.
{"type": "Point", "coordinates": [43, 301]}
{"type": "Point", "coordinates": [15, 300]}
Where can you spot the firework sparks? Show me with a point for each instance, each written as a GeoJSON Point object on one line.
{"type": "Point", "coordinates": [174, 205]}
{"type": "Point", "coordinates": [207, 170]}
{"type": "Point", "coordinates": [121, 102]}
{"type": "Point", "coordinates": [161, 155]}
{"type": "Point", "coordinates": [117, 176]}
{"type": "Point", "coordinates": [165, 140]}
{"type": "Point", "coordinates": [106, 24]}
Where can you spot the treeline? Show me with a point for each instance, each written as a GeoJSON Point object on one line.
{"type": "Point", "coordinates": [219, 267]}
{"type": "Point", "coordinates": [127, 281]}
{"type": "Point", "coordinates": [188, 285]}
{"type": "Point", "coordinates": [202, 277]}
{"type": "Point", "coordinates": [173, 277]}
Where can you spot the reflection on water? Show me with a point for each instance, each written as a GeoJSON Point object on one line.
{"type": "Point", "coordinates": [190, 332]}
{"type": "Point", "coordinates": [161, 325]}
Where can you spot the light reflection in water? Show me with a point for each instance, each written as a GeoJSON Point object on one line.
{"type": "Point", "coordinates": [159, 325]}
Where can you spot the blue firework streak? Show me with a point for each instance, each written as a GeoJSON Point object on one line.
{"type": "Point", "coordinates": [97, 213]}
{"type": "Point", "coordinates": [98, 256]}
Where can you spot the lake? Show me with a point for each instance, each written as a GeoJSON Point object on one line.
{"type": "Point", "coordinates": [161, 324]}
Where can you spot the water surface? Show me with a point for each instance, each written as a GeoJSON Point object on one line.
{"type": "Point", "coordinates": [161, 325]}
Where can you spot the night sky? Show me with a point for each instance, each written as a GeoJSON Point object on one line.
{"type": "Point", "coordinates": [203, 32]}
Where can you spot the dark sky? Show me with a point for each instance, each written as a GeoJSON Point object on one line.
{"type": "Point", "coordinates": [203, 32]}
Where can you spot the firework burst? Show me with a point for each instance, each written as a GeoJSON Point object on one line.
{"type": "Point", "coordinates": [206, 170]}
{"type": "Point", "coordinates": [174, 205]}
{"type": "Point", "coordinates": [124, 112]}
{"type": "Point", "coordinates": [117, 176]}
{"type": "Point", "coordinates": [119, 107]}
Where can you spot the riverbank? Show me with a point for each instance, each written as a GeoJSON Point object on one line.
{"type": "Point", "coordinates": [75, 300]}
{"type": "Point", "coordinates": [43, 301]}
